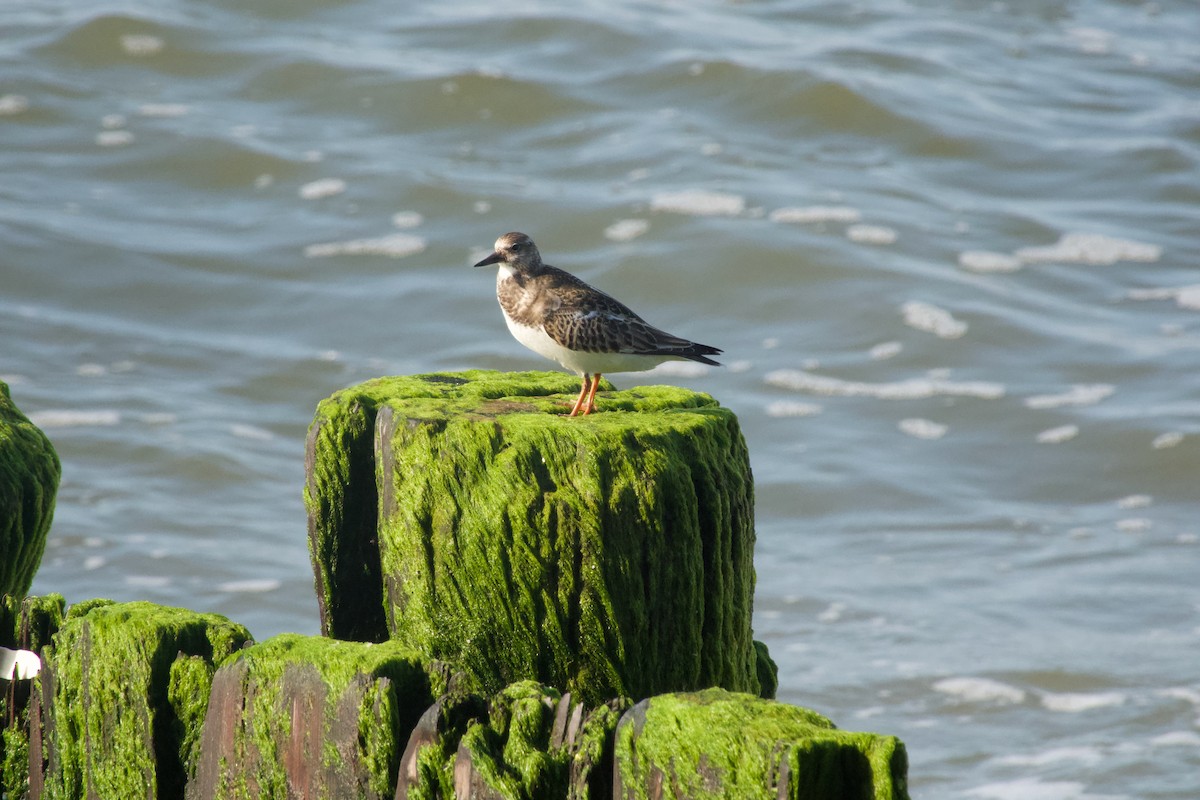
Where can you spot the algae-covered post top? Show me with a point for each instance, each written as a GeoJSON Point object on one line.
{"type": "Point", "coordinates": [607, 555]}
{"type": "Point", "coordinates": [29, 473]}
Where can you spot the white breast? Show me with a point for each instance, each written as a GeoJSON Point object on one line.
{"type": "Point", "coordinates": [536, 339]}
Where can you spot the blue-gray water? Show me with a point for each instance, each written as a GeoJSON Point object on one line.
{"type": "Point", "coordinates": [950, 250]}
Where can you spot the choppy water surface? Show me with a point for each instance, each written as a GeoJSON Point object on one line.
{"type": "Point", "coordinates": [950, 250]}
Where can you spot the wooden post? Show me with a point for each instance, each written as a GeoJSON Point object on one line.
{"type": "Point", "coordinates": [604, 555]}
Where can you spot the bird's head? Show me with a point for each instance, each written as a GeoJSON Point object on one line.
{"type": "Point", "coordinates": [516, 250]}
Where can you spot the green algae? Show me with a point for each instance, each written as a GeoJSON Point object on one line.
{"type": "Point", "coordinates": [188, 686]}
{"type": "Point", "coordinates": [341, 493]}
{"type": "Point", "coordinates": [114, 719]}
{"type": "Point", "coordinates": [715, 743]}
{"type": "Point", "coordinates": [607, 555]}
{"type": "Point", "coordinates": [329, 714]}
{"type": "Point", "coordinates": [511, 752]}
{"type": "Point", "coordinates": [768, 672]}
{"type": "Point", "coordinates": [29, 475]}
{"type": "Point", "coordinates": [28, 624]}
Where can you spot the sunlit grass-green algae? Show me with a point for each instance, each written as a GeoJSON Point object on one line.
{"type": "Point", "coordinates": [606, 555]}
{"type": "Point", "coordinates": [124, 710]}
{"type": "Point", "coordinates": [29, 474]}
{"type": "Point", "coordinates": [719, 744]}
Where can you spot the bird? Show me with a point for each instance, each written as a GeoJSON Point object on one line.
{"type": "Point", "coordinates": [588, 332]}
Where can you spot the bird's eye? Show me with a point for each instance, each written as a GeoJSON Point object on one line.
{"type": "Point", "coordinates": [516, 245]}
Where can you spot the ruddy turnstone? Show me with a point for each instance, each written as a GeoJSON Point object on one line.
{"type": "Point", "coordinates": [557, 315]}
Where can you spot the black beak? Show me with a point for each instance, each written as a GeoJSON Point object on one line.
{"type": "Point", "coordinates": [492, 259]}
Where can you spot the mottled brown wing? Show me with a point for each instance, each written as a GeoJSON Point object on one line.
{"type": "Point", "coordinates": [591, 321]}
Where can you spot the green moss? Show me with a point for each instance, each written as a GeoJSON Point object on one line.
{"type": "Point", "coordinates": [768, 672]}
{"type": "Point", "coordinates": [84, 607]}
{"type": "Point", "coordinates": [721, 744]}
{"type": "Point", "coordinates": [455, 711]}
{"type": "Point", "coordinates": [26, 624]}
{"type": "Point", "coordinates": [338, 712]}
{"type": "Point", "coordinates": [29, 474]}
{"type": "Point", "coordinates": [592, 756]}
{"type": "Point", "coordinates": [511, 752]}
{"type": "Point", "coordinates": [188, 687]}
{"type": "Point", "coordinates": [14, 766]}
{"type": "Point", "coordinates": [116, 729]}
{"type": "Point", "coordinates": [607, 555]}
{"type": "Point", "coordinates": [30, 622]}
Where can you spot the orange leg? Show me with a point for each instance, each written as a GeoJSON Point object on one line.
{"type": "Point", "coordinates": [582, 393]}
{"type": "Point", "coordinates": [590, 405]}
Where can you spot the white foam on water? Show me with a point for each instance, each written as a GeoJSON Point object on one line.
{"type": "Point", "coordinates": [911, 389]}
{"type": "Point", "coordinates": [699, 202]}
{"type": "Point", "coordinates": [325, 187]}
{"type": "Point", "coordinates": [832, 613]}
{"type": "Point", "coordinates": [1135, 501]}
{"type": "Point", "coordinates": [407, 219]}
{"type": "Point", "coordinates": [886, 350]}
{"type": "Point", "coordinates": [481, 206]}
{"type": "Point", "coordinates": [1056, 755]}
{"type": "Point", "coordinates": [1188, 694]}
{"type": "Point", "coordinates": [680, 369]}
{"type": "Point", "coordinates": [1078, 702]}
{"type": "Point", "coordinates": [396, 245]}
{"type": "Point", "coordinates": [114, 138]}
{"type": "Point", "coordinates": [815, 214]}
{"type": "Point", "coordinates": [980, 690]}
{"type": "Point", "coordinates": [1031, 789]}
{"type": "Point", "coordinates": [1093, 41]}
{"type": "Point", "coordinates": [13, 104]}
{"type": "Point", "coordinates": [251, 432]}
{"type": "Point", "coordinates": [931, 319]}
{"type": "Point", "coordinates": [94, 562]}
{"type": "Point", "coordinates": [1184, 296]}
{"type": "Point", "coordinates": [141, 44]}
{"type": "Point", "coordinates": [1177, 739]}
{"type": "Point", "coordinates": [75, 418]}
{"type": "Point", "coordinates": [987, 261]}
{"type": "Point", "coordinates": [1090, 248]}
{"type": "Point", "coordinates": [1063, 433]}
{"type": "Point", "coordinates": [1165, 440]}
{"type": "Point", "coordinates": [167, 110]}
{"type": "Point", "coordinates": [148, 581]}
{"type": "Point", "coordinates": [792, 408]}
{"type": "Point", "coordinates": [922, 428]}
{"type": "Point", "coordinates": [91, 370]}
{"type": "Point", "coordinates": [250, 585]}
{"type": "Point", "coordinates": [1134, 525]}
{"type": "Point", "coordinates": [1189, 297]}
{"type": "Point", "coordinates": [625, 229]}
{"type": "Point", "coordinates": [1080, 394]}
{"type": "Point", "coordinates": [871, 234]}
